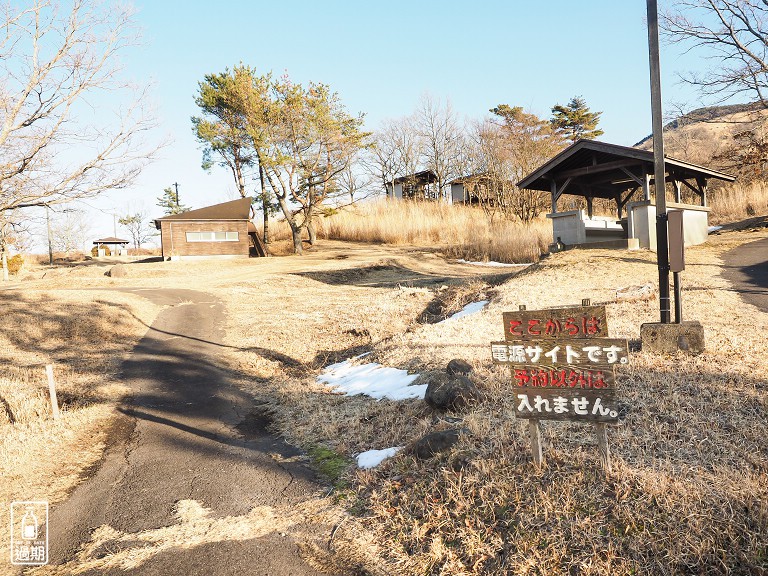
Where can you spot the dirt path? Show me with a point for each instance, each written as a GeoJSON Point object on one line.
{"type": "Point", "coordinates": [189, 464]}
{"type": "Point", "coordinates": [746, 267]}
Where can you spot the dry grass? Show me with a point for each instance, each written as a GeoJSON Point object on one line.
{"type": "Point", "coordinates": [688, 491]}
{"type": "Point", "coordinates": [463, 231]}
{"type": "Point", "coordinates": [739, 201]}
{"type": "Point", "coordinates": [84, 336]}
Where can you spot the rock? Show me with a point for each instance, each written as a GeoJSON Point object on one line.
{"type": "Point", "coordinates": [633, 293]}
{"type": "Point", "coordinates": [435, 442]}
{"type": "Point", "coordinates": [117, 271]}
{"type": "Point", "coordinates": [457, 366]}
{"type": "Point", "coordinates": [451, 392]}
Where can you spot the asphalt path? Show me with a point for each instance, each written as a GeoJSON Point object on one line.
{"type": "Point", "coordinates": [746, 267]}
{"type": "Point", "coordinates": [186, 433]}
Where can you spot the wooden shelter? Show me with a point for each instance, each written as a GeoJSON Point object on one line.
{"type": "Point", "coordinates": [592, 169]}
{"type": "Point", "coordinates": [419, 186]}
{"type": "Point", "coordinates": [221, 230]}
{"type": "Point", "coordinates": [117, 245]}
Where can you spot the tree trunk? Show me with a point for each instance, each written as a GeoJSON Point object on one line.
{"type": "Point", "coordinates": [297, 248]}
{"type": "Point", "coordinates": [5, 266]}
{"type": "Point", "coordinates": [312, 232]}
{"type": "Point", "coordinates": [264, 204]}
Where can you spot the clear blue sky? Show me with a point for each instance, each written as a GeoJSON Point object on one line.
{"type": "Point", "coordinates": [382, 56]}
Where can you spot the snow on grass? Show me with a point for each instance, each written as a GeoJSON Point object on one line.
{"type": "Point", "coordinates": [372, 458]}
{"type": "Point", "coordinates": [714, 229]}
{"type": "Point", "coordinates": [371, 379]}
{"type": "Point", "coordinates": [470, 308]}
{"type": "Point", "coordinates": [492, 264]}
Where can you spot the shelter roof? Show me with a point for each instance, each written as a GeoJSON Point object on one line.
{"type": "Point", "coordinates": [111, 240]}
{"type": "Point", "coordinates": [239, 209]}
{"type": "Point", "coordinates": [420, 177]}
{"type": "Point", "coordinates": [608, 168]}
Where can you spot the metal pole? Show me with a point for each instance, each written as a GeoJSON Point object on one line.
{"type": "Point", "coordinates": [678, 301]}
{"type": "Point", "coordinates": [662, 242]}
{"type": "Point", "coordinates": [50, 236]}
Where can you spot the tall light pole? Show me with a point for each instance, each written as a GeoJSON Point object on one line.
{"type": "Point", "coordinates": [662, 238]}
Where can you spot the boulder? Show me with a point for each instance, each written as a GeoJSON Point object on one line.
{"type": "Point", "coordinates": [117, 271]}
{"type": "Point", "coordinates": [435, 442]}
{"type": "Point", "coordinates": [451, 392]}
{"type": "Point", "coordinates": [457, 366]}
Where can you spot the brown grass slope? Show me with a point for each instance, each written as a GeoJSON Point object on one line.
{"type": "Point", "coordinates": [688, 493]}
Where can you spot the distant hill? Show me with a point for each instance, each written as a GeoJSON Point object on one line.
{"type": "Point", "coordinates": [731, 138]}
{"type": "Point", "coordinates": [706, 114]}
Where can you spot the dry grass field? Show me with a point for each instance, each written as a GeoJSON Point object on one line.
{"type": "Point", "coordinates": [83, 334]}
{"type": "Point", "coordinates": [462, 232]}
{"type": "Point", "coordinates": [688, 490]}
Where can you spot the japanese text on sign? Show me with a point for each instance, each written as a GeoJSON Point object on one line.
{"type": "Point", "coordinates": [571, 352]}
{"type": "Point", "coordinates": [527, 377]}
{"type": "Point", "coordinates": [560, 407]}
{"type": "Point", "coordinates": [582, 322]}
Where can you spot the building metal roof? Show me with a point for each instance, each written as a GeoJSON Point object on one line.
{"type": "Point", "coordinates": [425, 176]}
{"type": "Point", "coordinates": [239, 209]}
{"type": "Point", "coordinates": [602, 168]}
{"type": "Point", "coordinates": [111, 240]}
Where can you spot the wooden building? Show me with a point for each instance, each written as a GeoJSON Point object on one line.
{"type": "Point", "coordinates": [222, 230]}
{"type": "Point", "coordinates": [624, 175]}
{"type": "Point", "coordinates": [418, 186]}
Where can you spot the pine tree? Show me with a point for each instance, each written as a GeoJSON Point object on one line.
{"type": "Point", "coordinates": [169, 202]}
{"type": "Point", "coordinates": [575, 121]}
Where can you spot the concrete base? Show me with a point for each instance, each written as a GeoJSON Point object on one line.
{"type": "Point", "coordinates": [669, 338]}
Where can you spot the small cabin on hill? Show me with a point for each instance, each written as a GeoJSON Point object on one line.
{"type": "Point", "coordinates": [219, 231]}
{"type": "Point", "coordinates": [591, 169]}
{"type": "Point", "coordinates": [418, 186]}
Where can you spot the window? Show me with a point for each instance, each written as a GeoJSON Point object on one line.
{"type": "Point", "coordinates": [212, 237]}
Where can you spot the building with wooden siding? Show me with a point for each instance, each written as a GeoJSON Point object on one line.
{"type": "Point", "coordinates": [222, 230]}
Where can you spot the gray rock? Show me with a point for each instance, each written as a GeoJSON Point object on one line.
{"type": "Point", "coordinates": [457, 366]}
{"type": "Point", "coordinates": [117, 271]}
{"type": "Point", "coordinates": [435, 442]}
{"type": "Point", "coordinates": [451, 392]}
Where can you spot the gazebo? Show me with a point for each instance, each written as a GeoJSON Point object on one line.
{"type": "Point", "coordinates": [117, 245]}
{"type": "Point", "coordinates": [592, 169]}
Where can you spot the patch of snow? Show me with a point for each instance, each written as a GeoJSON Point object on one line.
{"type": "Point", "coordinates": [714, 228]}
{"type": "Point", "coordinates": [471, 308]}
{"type": "Point", "coordinates": [372, 458]}
{"type": "Point", "coordinates": [371, 379]}
{"type": "Point", "coordinates": [492, 264]}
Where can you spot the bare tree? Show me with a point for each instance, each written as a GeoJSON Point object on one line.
{"type": "Point", "coordinates": [137, 225]}
{"type": "Point", "coordinates": [383, 160]}
{"type": "Point", "coordinates": [733, 33]}
{"type": "Point", "coordinates": [442, 138]}
{"type": "Point", "coordinates": [69, 231]}
{"type": "Point", "coordinates": [52, 61]}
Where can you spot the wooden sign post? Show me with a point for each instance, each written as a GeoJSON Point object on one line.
{"type": "Point", "coordinates": [562, 366]}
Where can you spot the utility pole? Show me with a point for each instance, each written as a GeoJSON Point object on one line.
{"type": "Point", "coordinates": [50, 236]}
{"type": "Point", "coordinates": [662, 240]}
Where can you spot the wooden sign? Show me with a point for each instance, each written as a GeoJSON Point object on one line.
{"type": "Point", "coordinates": [554, 404]}
{"type": "Point", "coordinates": [579, 322]}
{"type": "Point", "coordinates": [562, 365]}
{"type": "Point", "coordinates": [569, 378]}
{"type": "Point", "coordinates": [561, 352]}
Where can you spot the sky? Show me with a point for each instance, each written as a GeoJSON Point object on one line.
{"type": "Point", "coordinates": [381, 57]}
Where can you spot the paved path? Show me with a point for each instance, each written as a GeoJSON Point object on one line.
{"type": "Point", "coordinates": [746, 267]}
{"type": "Point", "coordinates": [185, 434]}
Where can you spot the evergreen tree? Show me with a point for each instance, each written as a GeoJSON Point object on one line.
{"type": "Point", "coordinates": [575, 121]}
{"type": "Point", "coordinates": [169, 202]}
